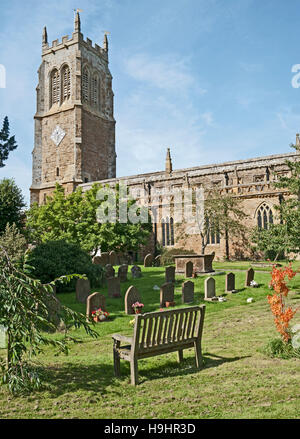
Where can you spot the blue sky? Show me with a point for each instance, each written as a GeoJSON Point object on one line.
{"type": "Point", "coordinates": [211, 79]}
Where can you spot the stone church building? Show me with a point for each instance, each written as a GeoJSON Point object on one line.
{"type": "Point", "coordinates": [75, 146]}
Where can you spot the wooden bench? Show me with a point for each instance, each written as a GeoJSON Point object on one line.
{"type": "Point", "coordinates": [157, 333]}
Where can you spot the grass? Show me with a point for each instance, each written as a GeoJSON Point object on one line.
{"type": "Point", "coordinates": [237, 380]}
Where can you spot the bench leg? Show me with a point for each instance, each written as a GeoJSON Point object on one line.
{"type": "Point", "coordinates": [198, 355]}
{"type": "Point", "coordinates": [134, 371]}
{"type": "Point", "coordinates": [180, 356]}
{"type": "Point", "coordinates": [116, 359]}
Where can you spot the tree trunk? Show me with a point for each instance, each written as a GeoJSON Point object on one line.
{"type": "Point", "coordinates": [226, 245]}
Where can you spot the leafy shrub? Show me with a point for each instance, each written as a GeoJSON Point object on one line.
{"type": "Point", "coordinates": [58, 258]}
{"type": "Point", "coordinates": [167, 256]}
{"type": "Point", "coordinates": [13, 243]}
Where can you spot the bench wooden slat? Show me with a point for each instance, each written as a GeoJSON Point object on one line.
{"type": "Point", "coordinates": [159, 333]}
{"type": "Point", "coordinates": [149, 332]}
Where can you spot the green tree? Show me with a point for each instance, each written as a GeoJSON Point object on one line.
{"type": "Point", "coordinates": [7, 143]}
{"type": "Point", "coordinates": [25, 304]}
{"type": "Point", "coordinates": [223, 214]}
{"type": "Point", "coordinates": [14, 243]}
{"type": "Point", "coordinates": [289, 209]}
{"type": "Point", "coordinates": [11, 204]}
{"type": "Point", "coordinates": [73, 218]}
{"type": "Point", "coordinates": [274, 241]}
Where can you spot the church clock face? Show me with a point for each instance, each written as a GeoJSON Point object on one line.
{"type": "Point", "coordinates": [57, 135]}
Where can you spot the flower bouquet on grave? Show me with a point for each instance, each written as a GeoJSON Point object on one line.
{"type": "Point", "coordinates": [137, 307]}
{"type": "Point", "coordinates": [99, 315]}
{"type": "Point", "coordinates": [253, 284]}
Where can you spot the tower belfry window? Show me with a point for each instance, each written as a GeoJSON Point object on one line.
{"type": "Point", "coordinates": [85, 85]}
{"type": "Point", "coordinates": [66, 77]}
{"type": "Point", "coordinates": [95, 91]}
{"type": "Point", "coordinates": [55, 87]}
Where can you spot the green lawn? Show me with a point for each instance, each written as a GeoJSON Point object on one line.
{"type": "Point", "coordinates": [237, 380]}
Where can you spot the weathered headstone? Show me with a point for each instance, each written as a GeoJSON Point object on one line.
{"type": "Point", "coordinates": [97, 260]}
{"type": "Point", "coordinates": [83, 290]}
{"type": "Point", "coordinates": [113, 258]}
{"type": "Point", "coordinates": [132, 295]}
{"type": "Point", "coordinates": [122, 272]}
{"type": "Point", "coordinates": [229, 282]}
{"type": "Point", "coordinates": [148, 260]}
{"type": "Point", "coordinates": [249, 277]}
{"type": "Point", "coordinates": [187, 292]}
{"type": "Point", "coordinates": [109, 271]}
{"type": "Point", "coordinates": [166, 293]}
{"type": "Point", "coordinates": [105, 258]}
{"type": "Point", "coordinates": [54, 308]}
{"type": "Point", "coordinates": [113, 286]}
{"type": "Point", "coordinates": [136, 271]}
{"type": "Point", "coordinates": [189, 269]}
{"type": "Point", "coordinates": [157, 261]}
{"type": "Point", "coordinates": [93, 302]}
{"type": "Point", "coordinates": [170, 274]}
{"type": "Point", "coordinates": [210, 289]}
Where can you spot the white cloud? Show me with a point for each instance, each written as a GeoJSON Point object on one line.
{"type": "Point", "coordinates": [164, 72]}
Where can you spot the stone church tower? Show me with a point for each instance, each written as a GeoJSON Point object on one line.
{"type": "Point", "coordinates": [74, 123]}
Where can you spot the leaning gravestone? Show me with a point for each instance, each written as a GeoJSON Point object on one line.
{"type": "Point", "coordinates": [93, 302]}
{"type": "Point", "coordinates": [170, 274]}
{"type": "Point", "coordinates": [132, 295]}
{"type": "Point", "coordinates": [113, 258]}
{"type": "Point", "coordinates": [136, 271]}
{"type": "Point", "coordinates": [166, 293]}
{"type": "Point", "coordinates": [210, 289]}
{"type": "Point", "coordinates": [114, 288]}
{"type": "Point", "coordinates": [230, 282]}
{"type": "Point", "coordinates": [83, 290]}
{"type": "Point", "coordinates": [148, 260]}
{"type": "Point", "coordinates": [249, 277]}
{"type": "Point", "coordinates": [157, 261]}
{"type": "Point", "coordinates": [122, 272]}
{"type": "Point", "coordinates": [109, 271]}
{"type": "Point", "coordinates": [189, 269]}
{"type": "Point", "coordinates": [187, 292]}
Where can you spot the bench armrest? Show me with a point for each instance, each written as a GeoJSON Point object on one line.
{"type": "Point", "coordinates": [119, 337]}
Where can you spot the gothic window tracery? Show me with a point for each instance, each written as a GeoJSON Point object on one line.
{"type": "Point", "coordinates": [264, 216]}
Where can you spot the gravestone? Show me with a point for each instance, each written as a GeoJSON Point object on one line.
{"type": "Point", "coordinates": [109, 271]}
{"type": "Point", "coordinates": [157, 261]}
{"type": "Point", "coordinates": [53, 308]}
{"type": "Point", "coordinates": [105, 258]}
{"type": "Point", "coordinates": [230, 282]}
{"type": "Point", "coordinates": [132, 295]}
{"type": "Point", "coordinates": [189, 269]}
{"type": "Point", "coordinates": [170, 274]}
{"type": "Point", "coordinates": [210, 289]}
{"type": "Point", "coordinates": [113, 258]}
{"type": "Point", "coordinates": [136, 271]}
{"type": "Point", "coordinates": [166, 293]}
{"type": "Point", "coordinates": [187, 292]}
{"type": "Point", "coordinates": [113, 286]}
{"type": "Point", "coordinates": [122, 272]}
{"type": "Point", "coordinates": [249, 277]}
{"type": "Point", "coordinates": [148, 260]}
{"type": "Point", "coordinates": [83, 290]}
{"type": "Point", "coordinates": [97, 260]}
{"type": "Point", "coordinates": [93, 302]}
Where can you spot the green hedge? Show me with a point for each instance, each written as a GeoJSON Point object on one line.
{"type": "Point", "coordinates": [57, 258]}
